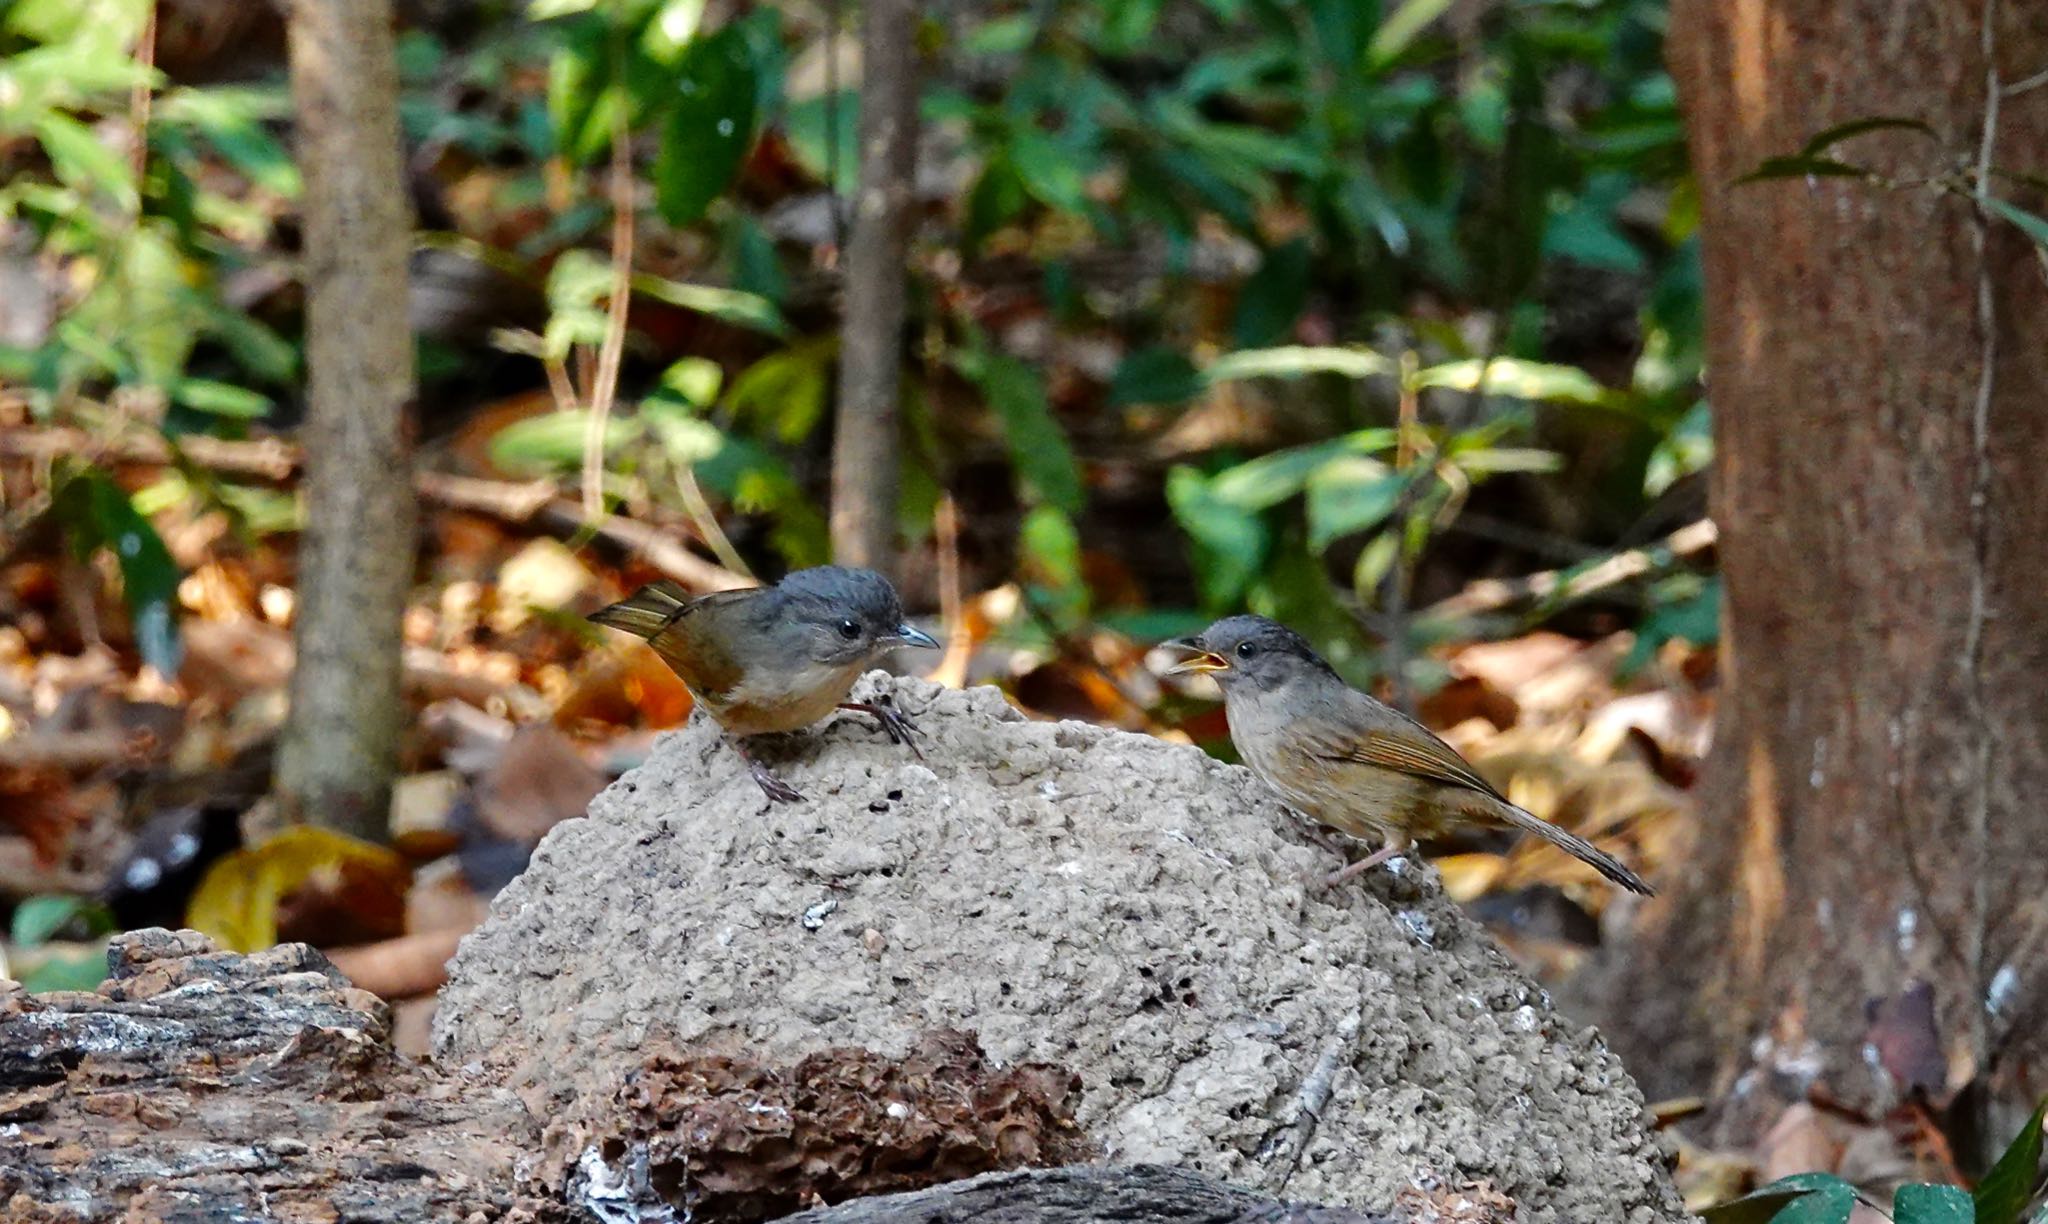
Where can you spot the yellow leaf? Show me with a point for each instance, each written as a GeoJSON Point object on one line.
{"type": "Point", "coordinates": [237, 901]}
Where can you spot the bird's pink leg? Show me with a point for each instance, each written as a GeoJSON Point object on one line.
{"type": "Point", "coordinates": [1370, 861]}
{"type": "Point", "coordinates": [775, 788]}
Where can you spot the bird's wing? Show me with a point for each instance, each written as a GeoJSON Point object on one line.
{"type": "Point", "coordinates": [1407, 748]}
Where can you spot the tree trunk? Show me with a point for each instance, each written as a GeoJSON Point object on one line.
{"type": "Point", "coordinates": [1878, 355]}
{"type": "Point", "coordinates": [356, 556]}
{"type": "Point", "coordinates": [864, 461]}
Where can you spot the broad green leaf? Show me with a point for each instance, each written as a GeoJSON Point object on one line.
{"type": "Point", "coordinates": [82, 971]}
{"type": "Point", "coordinates": [554, 442]}
{"type": "Point", "coordinates": [2009, 1186]}
{"type": "Point", "coordinates": [687, 438]}
{"type": "Point", "coordinates": [1931, 1205]}
{"type": "Point", "coordinates": [1048, 170]}
{"type": "Point", "coordinates": [1276, 476]}
{"type": "Point", "coordinates": [543, 10]}
{"type": "Point", "coordinates": [670, 28]}
{"type": "Point", "coordinates": [232, 121]}
{"type": "Point", "coordinates": [1348, 494]}
{"type": "Point", "coordinates": [1273, 298]}
{"type": "Point", "coordinates": [710, 125]}
{"type": "Point", "coordinates": [1230, 544]}
{"type": "Point", "coordinates": [1038, 446]}
{"type": "Point", "coordinates": [1765, 1205]}
{"type": "Point", "coordinates": [2030, 224]}
{"type": "Point", "coordinates": [1530, 380]}
{"type": "Point", "coordinates": [83, 162]}
{"type": "Point", "coordinates": [1489, 460]}
{"type": "Point", "coordinates": [37, 920]}
{"type": "Point", "coordinates": [220, 399]}
{"type": "Point", "coordinates": [1051, 554]}
{"type": "Point", "coordinates": [1402, 27]}
{"type": "Point", "coordinates": [1293, 361]}
{"type": "Point", "coordinates": [695, 380]}
{"type": "Point", "coordinates": [785, 391]}
{"type": "Point", "coordinates": [810, 123]}
{"type": "Point", "coordinates": [99, 515]}
{"type": "Point", "coordinates": [734, 306]}
{"type": "Point", "coordinates": [1156, 375]}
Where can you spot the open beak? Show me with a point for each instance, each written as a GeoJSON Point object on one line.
{"type": "Point", "coordinates": [1200, 661]}
{"type": "Point", "coordinates": [910, 635]}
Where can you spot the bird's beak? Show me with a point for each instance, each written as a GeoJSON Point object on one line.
{"type": "Point", "coordinates": [910, 635]}
{"type": "Point", "coordinates": [1200, 661]}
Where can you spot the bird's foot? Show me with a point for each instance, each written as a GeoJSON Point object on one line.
{"type": "Point", "coordinates": [1363, 865]}
{"type": "Point", "coordinates": [895, 723]}
{"type": "Point", "coordinates": [775, 788]}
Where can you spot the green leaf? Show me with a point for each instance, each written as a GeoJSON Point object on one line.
{"type": "Point", "coordinates": [1051, 552]}
{"type": "Point", "coordinates": [1294, 361]}
{"type": "Point", "coordinates": [1156, 375]}
{"type": "Point", "coordinates": [83, 162]}
{"type": "Point", "coordinates": [232, 120]}
{"type": "Point", "coordinates": [2029, 224]}
{"type": "Point", "coordinates": [810, 123]}
{"type": "Point", "coordinates": [1349, 494]}
{"type": "Point", "coordinates": [1038, 446]}
{"type": "Point", "coordinates": [2009, 1186]}
{"type": "Point", "coordinates": [1798, 166]}
{"type": "Point", "coordinates": [84, 971]}
{"type": "Point", "coordinates": [1230, 544]}
{"type": "Point", "coordinates": [1274, 477]}
{"type": "Point", "coordinates": [734, 306]}
{"type": "Point", "coordinates": [1827, 138]}
{"type": "Point", "coordinates": [1529, 380]}
{"type": "Point", "coordinates": [1273, 298]}
{"type": "Point", "coordinates": [1931, 1205]}
{"type": "Point", "coordinates": [554, 442]}
{"type": "Point", "coordinates": [220, 399]}
{"type": "Point", "coordinates": [1764, 1206]}
{"type": "Point", "coordinates": [1049, 172]}
{"type": "Point", "coordinates": [710, 125]}
{"type": "Point", "coordinates": [39, 919]}
{"type": "Point", "coordinates": [785, 391]}
{"type": "Point", "coordinates": [100, 515]}
{"type": "Point", "coordinates": [1402, 27]}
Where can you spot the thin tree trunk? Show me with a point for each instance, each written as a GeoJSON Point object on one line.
{"type": "Point", "coordinates": [356, 556]}
{"type": "Point", "coordinates": [1874, 803]}
{"type": "Point", "coordinates": [864, 460]}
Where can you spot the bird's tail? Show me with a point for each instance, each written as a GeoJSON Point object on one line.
{"type": "Point", "coordinates": [1578, 847]}
{"type": "Point", "coordinates": [647, 611]}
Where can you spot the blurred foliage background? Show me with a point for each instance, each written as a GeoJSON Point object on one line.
{"type": "Point", "coordinates": [1318, 307]}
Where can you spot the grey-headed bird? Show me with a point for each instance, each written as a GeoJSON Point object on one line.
{"type": "Point", "coordinates": [775, 658]}
{"type": "Point", "coordinates": [1347, 761]}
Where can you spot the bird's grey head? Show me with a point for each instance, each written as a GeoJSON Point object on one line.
{"type": "Point", "coordinates": [1250, 651]}
{"type": "Point", "coordinates": [840, 616]}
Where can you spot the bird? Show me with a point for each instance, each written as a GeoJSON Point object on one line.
{"type": "Point", "coordinates": [775, 658]}
{"type": "Point", "coordinates": [1350, 762]}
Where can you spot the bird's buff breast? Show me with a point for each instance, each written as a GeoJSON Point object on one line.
{"type": "Point", "coordinates": [751, 708]}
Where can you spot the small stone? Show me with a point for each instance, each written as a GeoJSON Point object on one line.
{"type": "Point", "coordinates": [874, 942]}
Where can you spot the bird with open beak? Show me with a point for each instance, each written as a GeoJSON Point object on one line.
{"type": "Point", "coordinates": [777, 658]}
{"type": "Point", "coordinates": [1347, 761]}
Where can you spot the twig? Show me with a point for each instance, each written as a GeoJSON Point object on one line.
{"type": "Point", "coordinates": [140, 96]}
{"type": "Point", "coordinates": [1285, 1146]}
{"type": "Point", "coordinates": [1560, 585]}
{"type": "Point", "coordinates": [70, 751]}
{"type": "Point", "coordinates": [535, 502]}
{"type": "Point", "coordinates": [606, 390]}
{"type": "Point", "coordinates": [952, 668]}
{"type": "Point", "coordinates": [706, 523]}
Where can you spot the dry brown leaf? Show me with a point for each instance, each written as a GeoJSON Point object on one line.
{"type": "Point", "coordinates": [540, 781]}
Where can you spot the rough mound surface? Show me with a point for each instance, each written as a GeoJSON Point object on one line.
{"type": "Point", "coordinates": [1100, 901]}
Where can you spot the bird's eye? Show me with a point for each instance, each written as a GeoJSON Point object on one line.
{"type": "Point", "coordinates": [1246, 650]}
{"type": "Point", "coordinates": [849, 629]}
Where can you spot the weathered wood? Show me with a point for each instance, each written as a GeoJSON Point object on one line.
{"type": "Point", "coordinates": [1139, 1194]}
{"type": "Point", "coordinates": [199, 1085]}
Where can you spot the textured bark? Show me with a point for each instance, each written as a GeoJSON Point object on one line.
{"type": "Point", "coordinates": [201, 1085]}
{"type": "Point", "coordinates": [1142, 1194]}
{"type": "Point", "coordinates": [864, 461]}
{"type": "Point", "coordinates": [356, 556]}
{"type": "Point", "coordinates": [1874, 801]}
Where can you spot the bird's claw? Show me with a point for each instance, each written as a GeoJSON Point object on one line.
{"type": "Point", "coordinates": [775, 788]}
{"type": "Point", "coordinates": [895, 723]}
